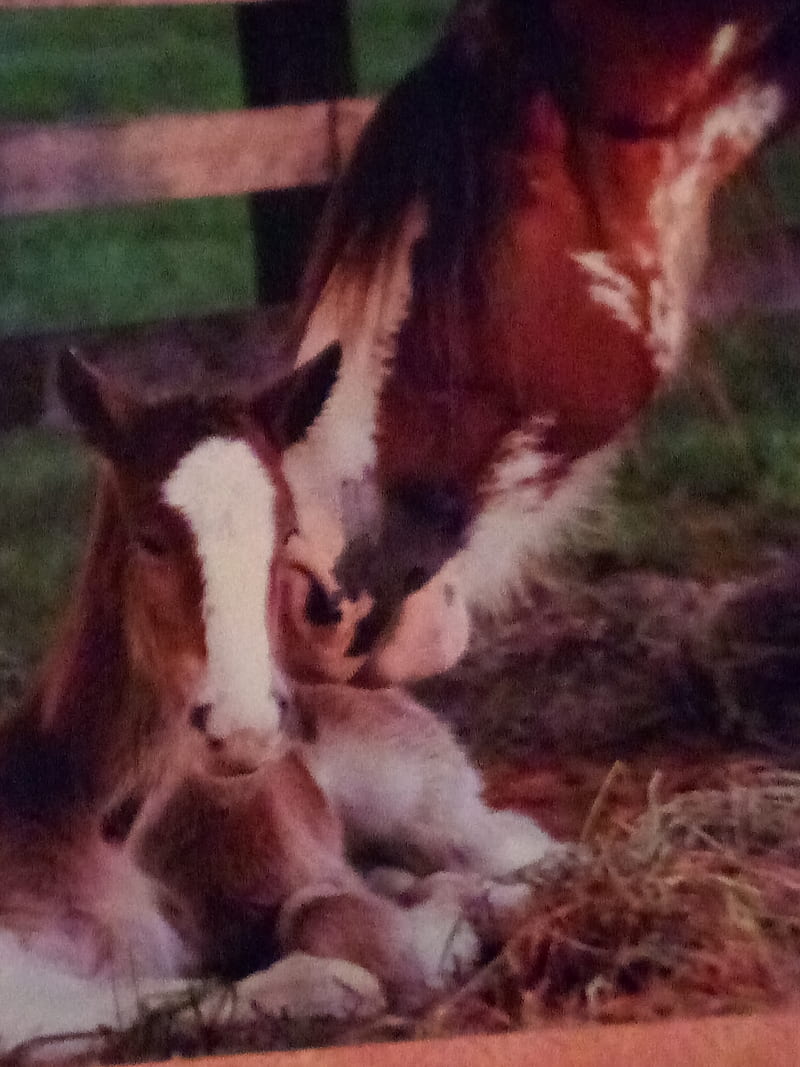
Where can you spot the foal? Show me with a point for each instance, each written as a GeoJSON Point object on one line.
{"type": "Point", "coordinates": [509, 265]}
{"type": "Point", "coordinates": [137, 848]}
{"type": "Point", "coordinates": [169, 612]}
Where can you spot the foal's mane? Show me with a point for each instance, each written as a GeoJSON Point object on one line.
{"type": "Point", "coordinates": [52, 751]}
{"type": "Point", "coordinates": [436, 139]}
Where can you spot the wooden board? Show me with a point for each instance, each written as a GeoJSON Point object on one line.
{"type": "Point", "coordinates": [36, 5]}
{"type": "Point", "coordinates": [768, 1040]}
{"type": "Point", "coordinates": [53, 167]}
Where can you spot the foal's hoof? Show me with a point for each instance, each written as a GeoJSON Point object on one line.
{"type": "Point", "coordinates": [297, 987]}
{"type": "Point", "coordinates": [447, 947]}
{"type": "Point", "coordinates": [311, 987]}
{"type": "Point", "coordinates": [515, 844]}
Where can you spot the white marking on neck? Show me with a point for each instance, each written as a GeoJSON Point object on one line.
{"type": "Point", "coordinates": [611, 288]}
{"type": "Point", "coordinates": [340, 448]}
{"type": "Point", "coordinates": [520, 525]}
{"type": "Point", "coordinates": [226, 496]}
{"type": "Point", "coordinates": [723, 44]}
{"type": "Point", "coordinates": [679, 215]}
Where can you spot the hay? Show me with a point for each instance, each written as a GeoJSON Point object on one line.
{"type": "Point", "coordinates": [692, 909]}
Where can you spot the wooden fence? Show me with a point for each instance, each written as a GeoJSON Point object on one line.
{"type": "Point", "coordinates": [172, 157]}
{"type": "Point", "coordinates": [283, 149]}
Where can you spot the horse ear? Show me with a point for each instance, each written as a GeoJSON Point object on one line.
{"type": "Point", "coordinates": [287, 410]}
{"type": "Point", "coordinates": [99, 409]}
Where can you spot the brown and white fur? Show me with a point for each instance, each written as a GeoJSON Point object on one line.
{"type": "Point", "coordinates": [509, 264]}
{"type": "Point", "coordinates": [156, 821]}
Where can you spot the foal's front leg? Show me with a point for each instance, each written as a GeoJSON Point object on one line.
{"type": "Point", "coordinates": [269, 843]}
{"type": "Point", "coordinates": [417, 951]}
{"type": "Point", "coordinates": [400, 782]}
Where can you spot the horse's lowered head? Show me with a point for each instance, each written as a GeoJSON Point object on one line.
{"type": "Point", "coordinates": [511, 263]}
{"type": "Point", "coordinates": [199, 512]}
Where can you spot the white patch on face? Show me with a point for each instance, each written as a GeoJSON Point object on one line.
{"type": "Point", "coordinates": [678, 212]}
{"type": "Point", "coordinates": [429, 637]}
{"type": "Point", "coordinates": [520, 526]}
{"type": "Point", "coordinates": [226, 496]}
{"type": "Point", "coordinates": [723, 44]}
{"type": "Point", "coordinates": [611, 288]}
{"type": "Point", "coordinates": [340, 449]}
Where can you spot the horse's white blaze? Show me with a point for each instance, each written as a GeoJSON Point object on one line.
{"type": "Point", "coordinates": [340, 448]}
{"type": "Point", "coordinates": [225, 495]}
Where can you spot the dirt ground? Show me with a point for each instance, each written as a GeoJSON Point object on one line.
{"type": "Point", "coordinates": [608, 667]}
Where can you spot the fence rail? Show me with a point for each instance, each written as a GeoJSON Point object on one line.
{"type": "Point", "coordinates": [49, 5]}
{"type": "Point", "coordinates": [300, 124]}
{"type": "Point", "coordinates": [171, 157]}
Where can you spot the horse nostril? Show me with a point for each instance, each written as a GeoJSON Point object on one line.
{"type": "Point", "coordinates": [199, 717]}
{"type": "Point", "coordinates": [366, 634]}
{"type": "Point", "coordinates": [321, 609]}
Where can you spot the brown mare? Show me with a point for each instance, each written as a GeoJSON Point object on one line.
{"type": "Point", "coordinates": [509, 264]}
{"type": "Point", "coordinates": [156, 821]}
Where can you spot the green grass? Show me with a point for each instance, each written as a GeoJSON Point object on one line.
{"type": "Point", "coordinates": [130, 61]}
{"type": "Point", "coordinates": [45, 487]}
{"type": "Point", "coordinates": [110, 267]}
{"type": "Point", "coordinates": [164, 260]}
{"type": "Point", "coordinates": [389, 37]}
{"type": "Point", "coordinates": [703, 493]}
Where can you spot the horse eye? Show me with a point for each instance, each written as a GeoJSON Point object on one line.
{"type": "Point", "coordinates": [152, 542]}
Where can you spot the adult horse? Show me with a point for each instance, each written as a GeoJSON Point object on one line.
{"type": "Point", "coordinates": [509, 264]}
{"type": "Point", "coordinates": [156, 820]}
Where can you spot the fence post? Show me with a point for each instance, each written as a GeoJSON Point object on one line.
{"type": "Point", "coordinates": [292, 51]}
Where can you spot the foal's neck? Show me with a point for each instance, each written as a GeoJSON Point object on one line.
{"type": "Point", "coordinates": [77, 740]}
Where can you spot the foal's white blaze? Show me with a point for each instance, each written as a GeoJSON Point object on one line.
{"type": "Point", "coordinates": [226, 496]}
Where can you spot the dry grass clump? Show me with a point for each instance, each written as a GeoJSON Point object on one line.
{"type": "Point", "coordinates": [693, 908]}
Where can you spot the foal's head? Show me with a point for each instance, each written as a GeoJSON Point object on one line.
{"type": "Point", "coordinates": [203, 512]}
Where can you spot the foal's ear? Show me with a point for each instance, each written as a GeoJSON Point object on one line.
{"type": "Point", "coordinates": [287, 410]}
{"type": "Point", "coordinates": [99, 409]}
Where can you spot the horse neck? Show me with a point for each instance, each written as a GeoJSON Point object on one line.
{"type": "Point", "coordinates": [76, 739]}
